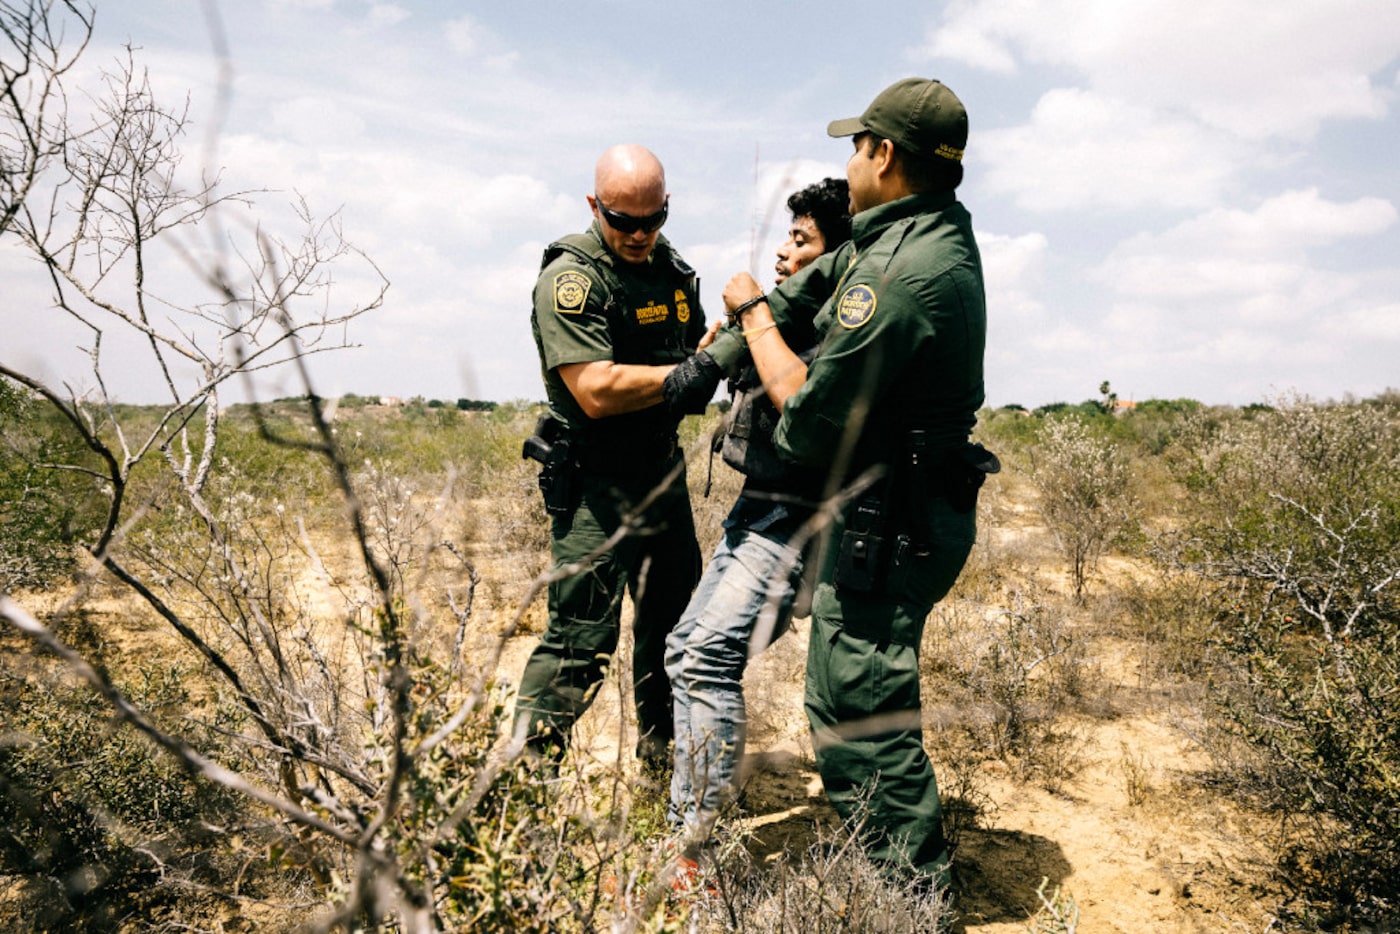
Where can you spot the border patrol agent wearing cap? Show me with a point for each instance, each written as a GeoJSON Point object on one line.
{"type": "Point", "coordinates": [892, 394]}
{"type": "Point", "coordinates": [918, 115]}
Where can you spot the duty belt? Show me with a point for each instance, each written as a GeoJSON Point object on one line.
{"type": "Point", "coordinates": [641, 455]}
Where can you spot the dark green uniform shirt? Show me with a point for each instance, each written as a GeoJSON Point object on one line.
{"type": "Point", "coordinates": [901, 328]}
{"type": "Point", "coordinates": [646, 313]}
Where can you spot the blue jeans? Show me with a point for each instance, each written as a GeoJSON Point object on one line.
{"type": "Point", "coordinates": [742, 603]}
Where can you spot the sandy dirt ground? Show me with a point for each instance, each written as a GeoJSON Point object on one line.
{"type": "Point", "coordinates": [1137, 842]}
{"type": "Point", "coordinates": [1174, 860]}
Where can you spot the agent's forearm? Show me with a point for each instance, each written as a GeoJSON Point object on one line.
{"type": "Point", "coordinates": [603, 388]}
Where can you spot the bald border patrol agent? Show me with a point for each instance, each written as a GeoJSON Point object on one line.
{"type": "Point", "coordinates": [885, 407]}
{"type": "Point", "coordinates": [615, 310]}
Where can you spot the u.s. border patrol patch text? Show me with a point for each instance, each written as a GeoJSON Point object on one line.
{"type": "Point", "coordinates": [856, 306]}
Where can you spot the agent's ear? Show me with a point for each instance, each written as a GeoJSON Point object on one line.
{"type": "Point", "coordinates": [885, 158]}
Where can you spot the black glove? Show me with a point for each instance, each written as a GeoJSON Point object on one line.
{"type": "Point", "coordinates": [692, 384]}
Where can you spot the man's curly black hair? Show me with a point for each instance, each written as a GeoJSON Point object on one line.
{"type": "Point", "coordinates": [828, 203]}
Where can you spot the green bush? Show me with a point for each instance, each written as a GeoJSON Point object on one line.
{"type": "Point", "coordinates": [89, 805]}
{"type": "Point", "coordinates": [1085, 495]}
{"type": "Point", "coordinates": [1298, 510]}
{"type": "Point", "coordinates": [43, 511]}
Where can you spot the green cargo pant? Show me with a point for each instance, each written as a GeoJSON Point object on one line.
{"type": "Point", "coordinates": [659, 567]}
{"type": "Point", "coordinates": [863, 705]}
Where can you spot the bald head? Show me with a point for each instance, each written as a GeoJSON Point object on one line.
{"type": "Point", "coordinates": [629, 170]}
{"type": "Point", "coordinates": [629, 185]}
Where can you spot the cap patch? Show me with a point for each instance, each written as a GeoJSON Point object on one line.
{"type": "Point", "coordinates": [948, 152]}
{"type": "Point", "coordinates": [570, 292]}
{"type": "Point", "coordinates": [856, 306]}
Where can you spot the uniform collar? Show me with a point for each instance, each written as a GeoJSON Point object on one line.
{"type": "Point", "coordinates": [870, 223]}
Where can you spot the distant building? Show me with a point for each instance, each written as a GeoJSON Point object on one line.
{"type": "Point", "coordinates": [390, 400]}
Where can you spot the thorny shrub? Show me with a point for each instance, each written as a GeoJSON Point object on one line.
{"type": "Point", "coordinates": [1019, 671]}
{"type": "Point", "coordinates": [830, 887]}
{"type": "Point", "coordinates": [1059, 914]}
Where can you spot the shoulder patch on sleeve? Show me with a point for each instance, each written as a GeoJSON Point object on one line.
{"type": "Point", "coordinates": [571, 291]}
{"type": "Point", "coordinates": [856, 306]}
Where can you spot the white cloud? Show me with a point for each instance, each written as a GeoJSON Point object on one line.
{"type": "Point", "coordinates": [1230, 295]}
{"type": "Point", "coordinates": [972, 35]}
{"type": "Point", "coordinates": [383, 15]}
{"type": "Point", "coordinates": [459, 141]}
{"type": "Point", "coordinates": [1305, 218]}
{"type": "Point", "coordinates": [299, 4]}
{"type": "Point", "coordinates": [1260, 253]}
{"type": "Point", "coordinates": [1230, 304]}
{"type": "Point", "coordinates": [1082, 149]}
{"type": "Point", "coordinates": [398, 196]}
{"type": "Point", "coordinates": [1255, 70]}
{"type": "Point", "coordinates": [1137, 322]}
{"type": "Point", "coordinates": [468, 38]}
{"type": "Point", "coordinates": [1014, 269]}
{"type": "Point", "coordinates": [776, 181]}
{"type": "Point", "coordinates": [717, 262]}
{"type": "Point", "coordinates": [316, 120]}
{"type": "Point", "coordinates": [462, 35]}
{"type": "Point", "coordinates": [1375, 322]}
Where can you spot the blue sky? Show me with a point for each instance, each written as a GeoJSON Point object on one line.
{"type": "Point", "coordinates": [1186, 199]}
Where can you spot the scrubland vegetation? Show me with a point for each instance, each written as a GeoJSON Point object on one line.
{"type": "Point", "coordinates": [265, 719]}
{"type": "Point", "coordinates": [256, 662]}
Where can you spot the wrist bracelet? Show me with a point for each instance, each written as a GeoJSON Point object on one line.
{"type": "Point", "coordinates": [739, 310]}
{"type": "Point", "coordinates": [760, 329]}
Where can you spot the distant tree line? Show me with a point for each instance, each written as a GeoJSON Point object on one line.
{"type": "Point", "coordinates": [351, 400]}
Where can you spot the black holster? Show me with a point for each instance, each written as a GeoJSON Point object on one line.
{"type": "Point", "coordinates": [860, 560]}
{"type": "Point", "coordinates": [883, 534]}
{"type": "Point", "coordinates": [962, 474]}
{"type": "Point", "coordinates": [552, 447]}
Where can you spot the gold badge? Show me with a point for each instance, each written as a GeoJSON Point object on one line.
{"type": "Point", "coordinates": [682, 308]}
{"type": "Point", "coordinates": [570, 292]}
{"type": "Point", "coordinates": [856, 306]}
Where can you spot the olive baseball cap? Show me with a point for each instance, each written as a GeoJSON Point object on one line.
{"type": "Point", "coordinates": [918, 114]}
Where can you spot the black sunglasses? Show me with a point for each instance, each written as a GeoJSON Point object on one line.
{"type": "Point", "coordinates": [626, 223]}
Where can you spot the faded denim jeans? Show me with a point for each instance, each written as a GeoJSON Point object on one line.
{"type": "Point", "coordinates": [743, 602]}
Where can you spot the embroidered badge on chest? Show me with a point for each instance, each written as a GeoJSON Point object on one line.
{"type": "Point", "coordinates": [682, 308]}
{"type": "Point", "coordinates": [856, 306]}
{"type": "Point", "coordinates": [570, 292]}
{"type": "Point", "coordinates": [652, 313]}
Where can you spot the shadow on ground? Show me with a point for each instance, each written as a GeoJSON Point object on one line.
{"type": "Point", "coordinates": [999, 871]}
{"type": "Point", "coordinates": [785, 810]}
